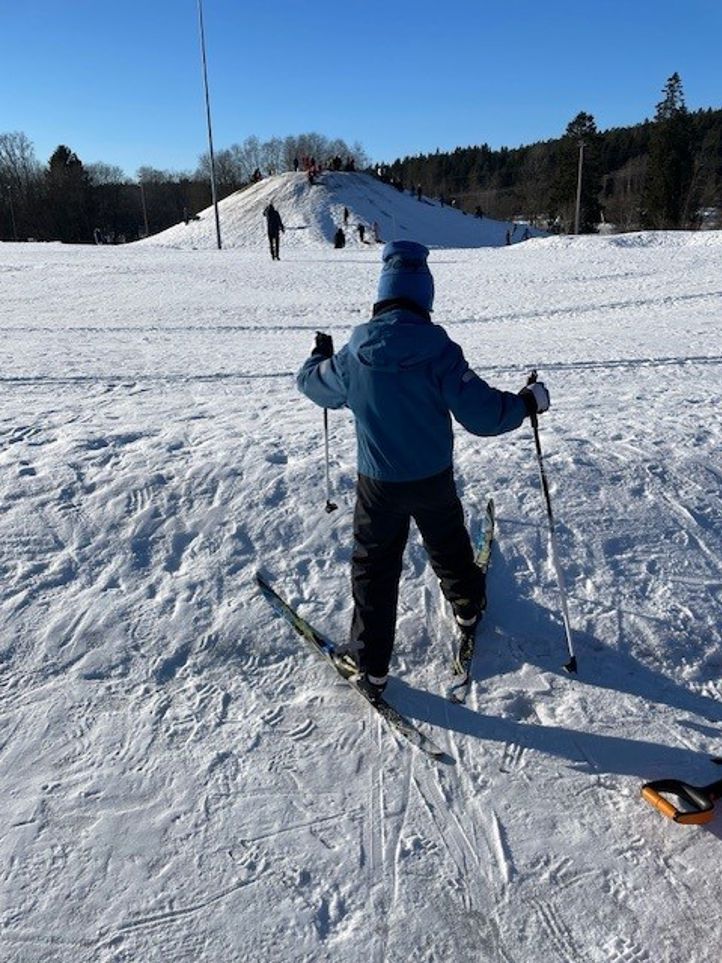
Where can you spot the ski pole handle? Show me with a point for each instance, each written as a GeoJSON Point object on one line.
{"type": "Point", "coordinates": [699, 799]}
{"type": "Point", "coordinates": [659, 802]}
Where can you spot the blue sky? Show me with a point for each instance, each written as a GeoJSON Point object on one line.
{"type": "Point", "coordinates": [121, 82]}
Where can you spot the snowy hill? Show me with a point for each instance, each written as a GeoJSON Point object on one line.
{"type": "Point", "coordinates": [312, 214]}
{"type": "Point", "coordinates": [180, 780]}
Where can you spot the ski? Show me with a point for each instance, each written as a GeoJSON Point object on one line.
{"type": "Point", "coordinates": [326, 649]}
{"type": "Point", "coordinates": [459, 688]}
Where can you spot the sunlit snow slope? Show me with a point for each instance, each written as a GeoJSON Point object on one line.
{"type": "Point", "coordinates": [312, 213]}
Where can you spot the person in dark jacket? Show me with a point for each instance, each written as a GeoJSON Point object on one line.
{"type": "Point", "coordinates": [274, 225]}
{"type": "Point", "coordinates": [404, 379]}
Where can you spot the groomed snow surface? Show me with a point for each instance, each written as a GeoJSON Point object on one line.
{"type": "Point", "coordinates": [183, 781]}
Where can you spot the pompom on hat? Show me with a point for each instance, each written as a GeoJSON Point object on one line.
{"type": "Point", "coordinates": [405, 274]}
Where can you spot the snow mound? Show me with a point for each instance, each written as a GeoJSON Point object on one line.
{"type": "Point", "coordinates": [639, 239]}
{"type": "Point", "coordinates": [312, 213]}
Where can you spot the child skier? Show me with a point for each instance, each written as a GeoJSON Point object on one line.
{"type": "Point", "coordinates": [402, 376]}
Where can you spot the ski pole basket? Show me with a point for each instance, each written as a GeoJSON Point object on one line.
{"type": "Point", "coordinates": [699, 800]}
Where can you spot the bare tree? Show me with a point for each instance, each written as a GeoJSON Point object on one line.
{"type": "Point", "coordinates": [18, 164]}
{"type": "Point", "coordinates": [236, 165]}
{"type": "Point", "coordinates": [100, 173]}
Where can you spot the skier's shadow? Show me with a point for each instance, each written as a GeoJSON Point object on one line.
{"type": "Point", "coordinates": [517, 629]}
{"type": "Point", "coordinates": [586, 752]}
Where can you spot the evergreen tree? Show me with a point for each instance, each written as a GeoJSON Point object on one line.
{"type": "Point", "coordinates": [669, 168]}
{"type": "Point", "coordinates": [68, 197]}
{"type": "Point", "coordinates": [580, 132]}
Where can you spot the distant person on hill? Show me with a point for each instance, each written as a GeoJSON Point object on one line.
{"type": "Point", "coordinates": [274, 226]}
{"type": "Point", "coordinates": [403, 378]}
{"type": "Point", "coordinates": [361, 228]}
{"type": "Point", "coordinates": [345, 215]}
{"type": "Point", "coordinates": [339, 238]}
{"type": "Point", "coordinates": [295, 164]}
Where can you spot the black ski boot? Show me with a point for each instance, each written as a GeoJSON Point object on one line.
{"type": "Point", "coordinates": [467, 613]}
{"type": "Point", "coordinates": [372, 685]}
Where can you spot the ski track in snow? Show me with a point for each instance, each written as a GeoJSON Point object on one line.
{"type": "Point", "coordinates": [182, 779]}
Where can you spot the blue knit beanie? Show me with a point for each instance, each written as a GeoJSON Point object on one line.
{"type": "Point", "coordinates": [405, 274]}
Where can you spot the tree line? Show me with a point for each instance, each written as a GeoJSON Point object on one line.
{"type": "Point", "coordinates": [664, 173]}
{"type": "Point", "coordinates": [71, 201]}
{"type": "Point", "coordinates": [661, 174]}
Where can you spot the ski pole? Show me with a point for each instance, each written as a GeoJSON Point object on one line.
{"type": "Point", "coordinates": [571, 665]}
{"type": "Point", "coordinates": [330, 506]}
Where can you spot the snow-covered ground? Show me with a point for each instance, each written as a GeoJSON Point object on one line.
{"type": "Point", "coordinates": [182, 781]}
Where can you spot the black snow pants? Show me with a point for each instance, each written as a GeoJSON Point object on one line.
{"type": "Point", "coordinates": [381, 528]}
{"type": "Point", "coordinates": [274, 241]}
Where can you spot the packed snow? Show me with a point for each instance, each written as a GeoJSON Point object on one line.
{"type": "Point", "coordinates": [183, 779]}
{"type": "Point", "coordinates": [312, 213]}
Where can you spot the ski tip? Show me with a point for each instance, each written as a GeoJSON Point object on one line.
{"type": "Point", "coordinates": [440, 756]}
{"type": "Point", "coordinates": [261, 580]}
{"type": "Point", "coordinates": [571, 665]}
{"type": "Point", "coordinates": [458, 691]}
{"type": "Point", "coordinates": [446, 759]}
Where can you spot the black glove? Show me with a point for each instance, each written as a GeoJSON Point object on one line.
{"type": "Point", "coordinates": [536, 398]}
{"type": "Point", "coordinates": [323, 345]}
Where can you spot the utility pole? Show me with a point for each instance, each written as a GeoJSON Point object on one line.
{"type": "Point", "coordinates": [214, 193]}
{"type": "Point", "coordinates": [579, 187]}
{"type": "Point", "coordinates": [12, 212]}
{"type": "Point", "coordinates": [145, 209]}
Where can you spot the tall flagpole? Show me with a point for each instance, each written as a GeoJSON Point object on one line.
{"type": "Point", "coordinates": [214, 193]}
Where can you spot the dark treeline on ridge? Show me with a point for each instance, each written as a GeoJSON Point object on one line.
{"type": "Point", "coordinates": [661, 174]}
{"type": "Point", "coordinates": [67, 200]}
{"type": "Point", "coordinates": [664, 173]}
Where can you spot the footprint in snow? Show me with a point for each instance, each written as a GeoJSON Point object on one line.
{"type": "Point", "coordinates": [518, 707]}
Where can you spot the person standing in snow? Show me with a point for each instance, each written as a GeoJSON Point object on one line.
{"type": "Point", "coordinates": [274, 226]}
{"type": "Point", "coordinates": [403, 378]}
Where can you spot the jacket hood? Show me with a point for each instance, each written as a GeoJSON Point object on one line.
{"type": "Point", "coordinates": [397, 340]}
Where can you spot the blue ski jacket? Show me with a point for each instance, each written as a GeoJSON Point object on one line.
{"type": "Point", "coordinates": [403, 378]}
